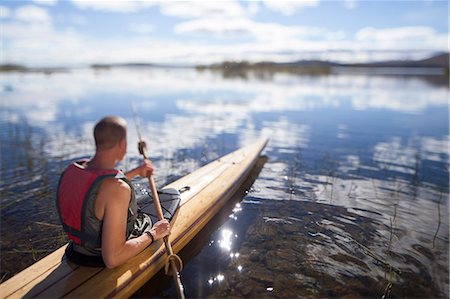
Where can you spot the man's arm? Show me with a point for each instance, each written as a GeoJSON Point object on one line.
{"type": "Point", "coordinates": [116, 250]}
{"type": "Point", "coordinates": [144, 170]}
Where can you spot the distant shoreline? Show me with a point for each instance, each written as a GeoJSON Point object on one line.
{"type": "Point", "coordinates": [435, 65]}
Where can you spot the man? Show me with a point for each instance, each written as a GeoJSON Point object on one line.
{"type": "Point", "coordinates": [97, 204]}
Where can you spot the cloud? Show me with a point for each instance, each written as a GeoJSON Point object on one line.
{"type": "Point", "coordinates": [142, 28]}
{"type": "Point", "coordinates": [253, 8]}
{"type": "Point", "coordinates": [350, 4]}
{"type": "Point", "coordinates": [77, 19]}
{"type": "Point", "coordinates": [202, 9]}
{"type": "Point", "coordinates": [46, 2]}
{"type": "Point", "coordinates": [114, 6]}
{"type": "Point", "coordinates": [400, 33]}
{"type": "Point", "coordinates": [32, 14]}
{"type": "Point", "coordinates": [179, 9]}
{"type": "Point", "coordinates": [41, 44]}
{"type": "Point", "coordinates": [216, 27]}
{"type": "Point", "coordinates": [408, 37]}
{"type": "Point", "coordinates": [289, 7]}
{"type": "Point", "coordinates": [31, 38]}
{"type": "Point", "coordinates": [5, 12]}
{"type": "Point", "coordinates": [238, 27]}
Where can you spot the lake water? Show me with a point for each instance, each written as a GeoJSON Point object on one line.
{"type": "Point", "coordinates": [351, 200]}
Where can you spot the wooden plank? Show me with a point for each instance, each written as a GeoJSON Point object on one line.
{"type": "Point", "coordinates": [110, 281]}
{"type": "Point", "coordinates": [59, 285]}
{"type": "Point", "coordinates": [32, 275]}
{"type": "Point", "coordinates": [211, 187]}
{"type": "Point", "coordinates": [198, 179]}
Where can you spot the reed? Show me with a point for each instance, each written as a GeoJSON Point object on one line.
{"type": "Point", "coordinates": [389, 267]}
{"type": "Point", "coordinates": [439, 219]}
{"type": "Point", "coordinates": [2, 279]}
{"type": "Point", "coordinates": [352, 183]}
{"type": "Point", "coordinates": [294, 167]}
{"type": "Point", "coordinates": [331, 177]}
{"type": "Point", "coordinates": [329, 172]}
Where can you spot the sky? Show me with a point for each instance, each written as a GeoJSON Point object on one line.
{"type": "Point", "coordinates": [81, 32]}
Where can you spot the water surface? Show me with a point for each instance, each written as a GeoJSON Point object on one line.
{"type": "Point", "coordinates": [352, 201]}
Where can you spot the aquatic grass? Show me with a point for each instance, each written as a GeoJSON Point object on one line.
{"type": "Point", "coordinates": [31, 174]}
{"type": "Point", "coordinates": [294, 167]}
{"type": "Point", "coordinates": [389, 284]}
{"type": "Point", "coordinates": [439, 219]}
{"type": "Point", "coordinates": [31, 251]}
{"type": "Point", "coordinates": [47, 224]}
{"type": "Point", "coordinates": [2, 279]}
{"type": "Point", "coordinates": [62, 237]}
{"type": "Point", "coordinates": [352, 183]}
{"type": "Point", "coordinates": [328, 172]}
{"type": "Point", "coordinates": [415, 176]}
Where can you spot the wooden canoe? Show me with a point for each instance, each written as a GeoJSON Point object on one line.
{"type": "Point", "coordinates": [210, 188]}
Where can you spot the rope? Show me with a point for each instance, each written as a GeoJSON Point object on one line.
{"type": "Point", "coordinates": [178, 263]}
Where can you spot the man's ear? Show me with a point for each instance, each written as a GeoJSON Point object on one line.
{"type": "Point", "coordinates": [123, 143]}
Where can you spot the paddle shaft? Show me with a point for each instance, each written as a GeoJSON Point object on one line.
{"type": "Point", "coordinates": [157, 204]}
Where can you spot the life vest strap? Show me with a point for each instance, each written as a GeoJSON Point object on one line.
{"type": "Point", "coordinates": [76, 235]}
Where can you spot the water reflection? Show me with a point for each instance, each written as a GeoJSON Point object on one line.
{"type": "Point", "coordinates": [356, 163]}
{"type": "Point", "coordinates": [68, 104]}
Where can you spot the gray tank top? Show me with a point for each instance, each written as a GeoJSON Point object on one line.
{"type": "Point", "coordinates": [137, 223]}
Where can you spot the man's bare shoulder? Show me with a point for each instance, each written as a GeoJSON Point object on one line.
{"type": "Point", "coordinates": [113, 195]}
{"type": "Point", "coordinates": [115, 186]}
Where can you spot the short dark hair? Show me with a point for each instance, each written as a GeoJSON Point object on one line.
{"type": "Point", "coordinates": [109, 131]}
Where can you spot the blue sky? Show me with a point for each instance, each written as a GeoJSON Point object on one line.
{"type": "Point", "coordinates": [77, 32]}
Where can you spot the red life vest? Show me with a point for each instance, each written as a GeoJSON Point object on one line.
{"type": "Point", "coordinates": [74, 190]}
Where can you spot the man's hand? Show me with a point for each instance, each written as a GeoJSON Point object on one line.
{"type": "Point", "coordinates": [144, 170]}
{"type": "Point", "coordinates": [160, 229]}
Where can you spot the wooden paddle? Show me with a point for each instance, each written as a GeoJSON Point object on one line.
{"type": "Point", "coordinates": [172, 259]}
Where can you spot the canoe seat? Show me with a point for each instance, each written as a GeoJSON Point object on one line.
{"type": "Point", "coordinates": [169, 198]}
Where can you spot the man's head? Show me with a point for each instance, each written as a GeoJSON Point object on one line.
{"type": "Point", "coordinates": [109, 132]}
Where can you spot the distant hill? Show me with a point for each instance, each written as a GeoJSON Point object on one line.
{"type": "Point", "coordinates": [233, 68]}
{"type": "Point", "coordinates": [441, 60]}
{"type": "Point", "coordinates": [111, 65]}
{"type": "Point", "coordinates": [437, 61]}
